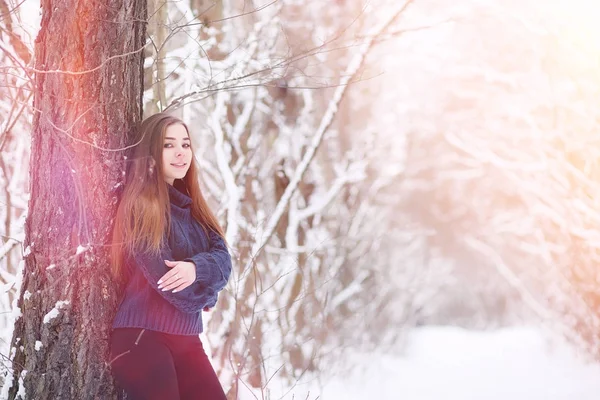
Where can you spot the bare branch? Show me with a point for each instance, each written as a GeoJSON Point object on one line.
{"type": "Point", "coordinates": [327, 120]}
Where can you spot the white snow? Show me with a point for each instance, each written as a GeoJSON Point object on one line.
{"type": "Point", "coordinates": [6, 287]}
{"type": "Point", "coordinates": [21, 392]}
{"type": "Point", "coordinates": [80, 249]}
{"type": "Point", "coordinates": [448, 363]}
{"type": "Point", "coordinates": [7, 386]}
{"type": "Point", "coordinates": [54, 312]}
{"type": "Point", "coordinates": [38, 345]}
{"type": "Point", "coordinates": [16, 311]}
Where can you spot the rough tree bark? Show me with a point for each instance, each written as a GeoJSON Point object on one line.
{"type": "Point", "coordinates": [88, 92]}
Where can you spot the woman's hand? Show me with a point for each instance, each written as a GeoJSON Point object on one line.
{"type": "Point", "coordinates": [181, 275]}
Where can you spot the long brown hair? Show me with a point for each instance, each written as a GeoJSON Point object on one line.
{"type": "Point", "coordinates": [143, 215]}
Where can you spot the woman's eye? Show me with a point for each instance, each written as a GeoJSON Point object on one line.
{"type": "Point", "coordinates": [169, 145]}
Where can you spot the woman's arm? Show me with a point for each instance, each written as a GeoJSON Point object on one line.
{"type": "Point", "coordinates": [213, 267]}
{"type": "Point", "coordinates": [189, 300]}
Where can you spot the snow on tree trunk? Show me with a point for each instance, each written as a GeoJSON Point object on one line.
{"type": "Point", "coordinates": [88, 87]}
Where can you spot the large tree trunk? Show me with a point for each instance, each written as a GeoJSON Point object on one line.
{"type": "Point", "coordinates": [67, 296]}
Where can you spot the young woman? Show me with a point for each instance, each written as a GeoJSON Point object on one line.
{"type": "Point", "coordinates": [169, 251]}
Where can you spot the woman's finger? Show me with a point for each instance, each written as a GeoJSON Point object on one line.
{"type": "Point", "coordinates": [166, 281]}
{"type": "Point", "coordinates": [182, 286]}
{"type": "Point", "coordinates": [172, 278]}
{"type": "Point", "coordinates": [172, 282]}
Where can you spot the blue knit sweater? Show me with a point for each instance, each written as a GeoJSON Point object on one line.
{"type": "Point", "coordinates": [145, 306]}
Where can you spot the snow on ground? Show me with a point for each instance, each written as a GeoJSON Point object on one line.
{"type": "Point", "coordinates": [448, 363]}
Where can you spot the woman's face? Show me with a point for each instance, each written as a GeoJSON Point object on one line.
{"type": "Point", "coordinates": [177, 153]}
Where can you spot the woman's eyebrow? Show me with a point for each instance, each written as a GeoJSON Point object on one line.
{"type": "Point", "coordinates": [170, 138]}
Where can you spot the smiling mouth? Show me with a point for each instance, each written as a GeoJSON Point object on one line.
{"type": "Point", "coordinates": [179, 165]}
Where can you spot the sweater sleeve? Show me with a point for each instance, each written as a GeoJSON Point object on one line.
{"type": "Point", "coordinates": [213, 267]}
{"type": "Point", "coordinates": [192, 299]}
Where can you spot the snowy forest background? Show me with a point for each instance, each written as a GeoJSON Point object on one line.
{"type": "Point", "coordinates": [378, 166]}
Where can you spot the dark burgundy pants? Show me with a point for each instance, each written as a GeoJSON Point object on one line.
{"type": "Point", "coordinates": [154, 365]}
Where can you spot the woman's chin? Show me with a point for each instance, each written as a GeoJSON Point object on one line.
{"type": "Point", "coordinates": [178, 174]}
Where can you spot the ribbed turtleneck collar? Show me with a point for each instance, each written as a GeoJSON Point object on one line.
{"type": "Point", "coordinates": [177, 197]}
